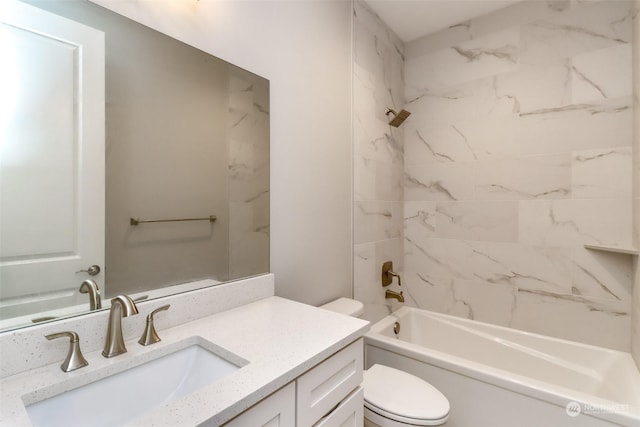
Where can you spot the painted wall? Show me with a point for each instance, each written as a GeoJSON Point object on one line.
{"type": "Point", "coordinates": [378, 84]}
{"type": "Point", "coordinates": [518, 152]}
{"type": "Point", "coordinates": [303, 48]}
{"type": "Point", "coordinates": [635, 324]}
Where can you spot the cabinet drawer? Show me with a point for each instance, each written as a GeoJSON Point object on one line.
{"type": "Point", "coordinates": [324, 386]}
{"type": "Point", "coordinates": [350, 413]}
{"type": "Point", "coordinates": [277, 410]}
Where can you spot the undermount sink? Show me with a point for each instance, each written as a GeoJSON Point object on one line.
{"type": "Point", "coordinates": [122, 397]}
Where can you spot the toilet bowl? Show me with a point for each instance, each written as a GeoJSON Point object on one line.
{"type": "Point", "coordinates": [394, 398]}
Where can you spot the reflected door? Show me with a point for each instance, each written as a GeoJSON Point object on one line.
{"type": "Point", "coordinates": [51, 158]}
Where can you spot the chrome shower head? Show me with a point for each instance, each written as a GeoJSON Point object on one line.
{"type": "Point", "coordinates": [398, 118]}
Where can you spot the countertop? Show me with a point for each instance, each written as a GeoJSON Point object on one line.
{"type": "Point", "coordinates": [280, 339]}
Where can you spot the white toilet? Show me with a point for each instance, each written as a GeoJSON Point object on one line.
{"type": "Point", "coordinates": [394, 398]}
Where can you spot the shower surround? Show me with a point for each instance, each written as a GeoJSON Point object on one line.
{"type": "Point", "coordinates": [517, 153]}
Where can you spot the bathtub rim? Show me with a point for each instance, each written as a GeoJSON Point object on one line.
{"type": "Point", "coordinates": [527, 386]}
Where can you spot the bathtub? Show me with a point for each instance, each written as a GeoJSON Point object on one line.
{"type": "Point", "coordinates": [495, 376]}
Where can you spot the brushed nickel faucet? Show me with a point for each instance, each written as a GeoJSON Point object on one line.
{"type": "Point", "coordinates": [121, 306]}
{"type": "Point", "coordinates": [91, 287]}
{"type": "Point", "coordinates": [150, 336]}
{"type": "Point", "coordinates": [75, 359]}
{"type": "Point", "coordinates": [395, 295]}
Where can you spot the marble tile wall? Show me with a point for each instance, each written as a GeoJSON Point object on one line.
{"type": "Point", "coordinates": [248, 133]}
{"type": "Point", "coordinates": [378, 84]}
{"type": "Point", "coordinates": [518, 151]}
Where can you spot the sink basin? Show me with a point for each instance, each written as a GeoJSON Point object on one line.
{"type": "Point", "coordinates": [120, 398]}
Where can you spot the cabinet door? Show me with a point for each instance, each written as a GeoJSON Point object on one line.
{"type": "Point", "coordinates": [277, 410]}
{"type": "Point", "coordinates": [327, 384]}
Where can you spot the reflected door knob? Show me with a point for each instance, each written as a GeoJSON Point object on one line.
{"type": "Point", "coordinates": [94, 270]}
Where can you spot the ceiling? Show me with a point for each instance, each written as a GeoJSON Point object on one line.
{"type": "Point", "coordinates": [412, 19]}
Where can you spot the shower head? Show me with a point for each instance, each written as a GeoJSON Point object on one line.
{"type": "Point", "coordinates": [398, 118]}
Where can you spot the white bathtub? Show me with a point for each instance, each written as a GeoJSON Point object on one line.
{"type": "Point", "coordinates": [495, 376]}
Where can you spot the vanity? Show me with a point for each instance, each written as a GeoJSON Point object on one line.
{"type": "Point", "coordinates": [292, 364]}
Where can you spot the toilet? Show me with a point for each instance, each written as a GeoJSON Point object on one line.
{"type": "Point", "coordinates": [394, 398]}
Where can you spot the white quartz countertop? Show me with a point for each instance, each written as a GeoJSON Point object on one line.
{"type": "Point", "coordinates": [280, 339]}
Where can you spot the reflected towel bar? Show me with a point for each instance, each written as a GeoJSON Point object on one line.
{"type": "Point", "coordinates": [136, 221]}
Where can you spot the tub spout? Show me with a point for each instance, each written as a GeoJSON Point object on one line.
{"type": "Point", "coordinates": [395, 295]}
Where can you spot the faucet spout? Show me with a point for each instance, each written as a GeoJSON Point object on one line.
{"type": "Point", "coordinates": [395, 295]}
{"type": "Point", "coordinates": [91, 287]}
{"type": "Point", "coordinates": [121, 306]}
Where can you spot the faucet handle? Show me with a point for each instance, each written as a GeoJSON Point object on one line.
{"type": "Point", "coordinates": [150, 336]}
{"type": "Point", "coordinates": [388, 274]}
{"type": "Point", "coordinates": [75, 359]}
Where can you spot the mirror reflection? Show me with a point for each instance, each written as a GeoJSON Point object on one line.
{"type": "Point", "coordinates": [131, 163]}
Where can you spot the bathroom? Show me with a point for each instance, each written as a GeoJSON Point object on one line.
{"type": "Point", "coordinates": [348, 192]}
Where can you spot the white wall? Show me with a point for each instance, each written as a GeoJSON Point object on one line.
{"type": "Point", "coordinates": [303, 48]}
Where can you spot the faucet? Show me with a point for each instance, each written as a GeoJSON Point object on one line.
{"type": "Point", "coordinates": [91, 287]}
{"type": "Point", "coordinates": [121, 306]}
{"type": "Point", "coordinates": [396, 295]}
{"type": "Point", "coordinates": [75, 359]}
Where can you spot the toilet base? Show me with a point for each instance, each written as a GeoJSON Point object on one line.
{"type": "Point", "coordinates": [372, 419]}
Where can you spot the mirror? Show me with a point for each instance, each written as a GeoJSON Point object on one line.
{"type": "Point", "coordinates": [176, 198]}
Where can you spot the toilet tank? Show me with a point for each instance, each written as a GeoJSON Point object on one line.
{"type": "Point", "coordinates": [346, 306]}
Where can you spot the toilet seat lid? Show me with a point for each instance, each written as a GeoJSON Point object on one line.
{"type": "Point", "coordinates": [404, 395]}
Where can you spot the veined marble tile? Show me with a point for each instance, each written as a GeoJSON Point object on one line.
{"type": "Point", "coordinates": [364, 179]}
{"type": "Point", "coordinates": [602, 174]}
{"type": "Point", "coordinates": [603, 323]}
{"type": "Point", "coordinates": [601, 275]}
{"type": "Point", "coordinates": [380, 53]}
{"type": "Point", "coordinates": [589, 27]}
{"type": "Point", "coordinates": [368, 260]}
{"type": "Point", "coordinates": [427, 144]}
{"type": "Point", "coordinates": [450, 181]}
{"type": "Point", "coordinates": [436, 260]}
{"type": "Point", "coordinates": [373, 137]}
{"type": "Point", "coordinates": [495, 221]}
{"type": "Point", "coordinates": [486, 302]}
{"type": "Point", "coordinates": [367, 19]}
{"type": "Point", "coordinates": [462, 141]}
{"type": "Point", "coordinates": [364, 272]}
{"type": "Point", "coordinates": [523, 266]}
{"type": "Point", "coordinates": [533, 177]}
{"type": "Point", "coordinates": [567, 223]}
{"type": "Point", "coordinates": [601, 74]}
{"type": "Point", "coordinates": [486, 56]}
{"type": "Point", "coordinates": [536, 87]}
{"type": "Point", "coordinates": [377, 220]}
{"type": "Point", "coordinates": [492, 137]}
{"type": "Point", "coordinates": [376, 180]}
{"type": "Point", "coordinates": [517, 14]}
{"type": "Point", "coordinates": [419, 220]}
{"type": "Point", "coordinates": [577, 127]}
{"type": "Point", "coordinates": [471, 102]}
{"type": "Point", "coordinates": [422, 292]}
{"type": "Point", "coordinates": [364, 283]}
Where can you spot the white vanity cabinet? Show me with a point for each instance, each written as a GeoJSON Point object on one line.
{"type": "Point", "coordinates": [327, 395]}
